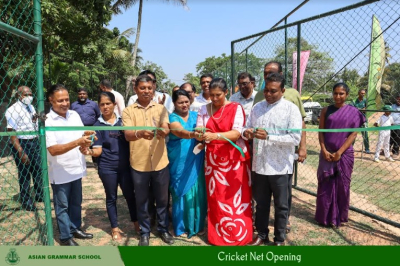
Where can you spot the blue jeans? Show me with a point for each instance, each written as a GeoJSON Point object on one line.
{"type": "Point", "coordinates": [68, 207]}
{"type": "Point", "coordinates": [111, 179]}
{"type": "Point", "coordinates": [32, 149]}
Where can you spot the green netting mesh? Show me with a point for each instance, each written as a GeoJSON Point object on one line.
{"type": "Point", "coordinates": [340, 45]}
{"type": "Point", "coordinates": [22, 208]}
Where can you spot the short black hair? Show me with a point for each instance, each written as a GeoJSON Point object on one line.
{"type": "Point", "coordinates": [343, 85]}
{"type": "Point", "coordinates": [147, 72]}
{"type": "Point", "coordinates": [244, 75]}
{"type": "Point", "coordinates": [107, 94]}
{"type": "Point", "coordinates": [206, 76]}
{"type": "Point", "coordinates": [218, 83]}
{"type": "Point", "coordinates": [275, 77]}
{"type": "Point", "coordinates": [177, 93]}
{"type": "Point", "coordinates": [143, 78]}
{"type": "Point", "coordinates": [191, 84]}
{"type": "Point", "coordinates": [54, 88]}
{"type": "Point", "coordinates": [106, 83]}
{"type": "Point", "coordinates": [81, 89]}
{"type": "Point", "coordinates": [274, 62]}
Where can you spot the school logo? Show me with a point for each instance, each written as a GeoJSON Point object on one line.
{"type": "Point", "coordinates": [12, 257]}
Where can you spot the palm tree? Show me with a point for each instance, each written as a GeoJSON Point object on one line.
{"type": "Point", "coordinates": [117, 9]}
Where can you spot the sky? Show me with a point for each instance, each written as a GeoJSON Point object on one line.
{"type": "Point", "coordinates": [178, 38]}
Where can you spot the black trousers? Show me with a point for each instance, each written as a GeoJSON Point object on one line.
{"type": "Point", "coordinates": [265, 186]}
{"type": "Point", "coordinates": [290, 180]}
{"type": "Point", "coordinates": [159, 181]}
{"type": "Point", "coordinates": [395, 140]}
{"type": "Point", "coordinates": [32, 149]}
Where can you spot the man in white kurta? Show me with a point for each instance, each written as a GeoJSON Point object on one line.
{"type": "Point", "coordinates": [275, 125]}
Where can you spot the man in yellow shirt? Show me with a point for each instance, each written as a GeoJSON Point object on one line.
{"type": "Point", "coordinates": [148, 157]}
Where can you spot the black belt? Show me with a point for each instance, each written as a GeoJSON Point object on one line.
{"type": "Point", "coordinates": [34, 139]}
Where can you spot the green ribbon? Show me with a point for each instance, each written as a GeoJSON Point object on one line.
{"type": "Point", "coordinates": [234, 145]}
{"type": "Point", "coordinates": [83, 128]}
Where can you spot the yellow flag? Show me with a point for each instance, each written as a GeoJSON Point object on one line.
{"type": "Point", "coordinates": [376, 67]}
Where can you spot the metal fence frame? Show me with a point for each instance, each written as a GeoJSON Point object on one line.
{"type": "Point", "coordinates": [37, 39]}
{"type": "Point", "coordinates": [298, 25]}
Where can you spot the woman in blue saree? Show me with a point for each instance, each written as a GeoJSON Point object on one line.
{"type": "Point", "coordinates": [187, 183]}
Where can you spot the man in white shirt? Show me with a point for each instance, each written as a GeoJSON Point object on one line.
{"type": "Point", "coordinates": [204, 97]}
{"type": "Point", "coordinates": [245, 95]}
{"type": "Point", "coordinates": [271, 123]}
{"type": "Point", "coordinates": [158, 97]}
{"type": "Point", "coordinates": [191, 90]}
{"type": "Point", "coordinates": [105, 85]}
{"type": "Point", "coordinates": [21, 116]}
{"type": "Point", "coordinates": [67, 165]}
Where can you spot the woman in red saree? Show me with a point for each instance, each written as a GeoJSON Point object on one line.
{"type": "Point", "coordinates": [227, 172]}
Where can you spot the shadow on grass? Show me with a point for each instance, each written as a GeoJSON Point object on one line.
{"type": "Point", "coordinates": [351, 233]}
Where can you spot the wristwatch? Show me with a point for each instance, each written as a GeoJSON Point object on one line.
{"type": "Point", "coordinates": [218, 135]}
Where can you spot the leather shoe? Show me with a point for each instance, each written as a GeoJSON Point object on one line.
{"type": "Point", "coordinates": [82, 235]}
{"type": "Point", "coordinates": [279, 243]}
{"type": "Point", "coordinates": [69, 242]}
{"type": "Point", "coordinates": [29, 206]}
{"type": "Point", "coordinates": [167, 238]}
{"type": "Point", "coordinates": [258, 241]}
{"type": "Point", "coordinates": [144, 241]}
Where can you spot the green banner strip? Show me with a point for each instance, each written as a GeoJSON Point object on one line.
{"type": "Point", "coordinates": [262, 255]}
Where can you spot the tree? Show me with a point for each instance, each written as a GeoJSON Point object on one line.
{"type": "Point", "coordinates": [117, 7]}
{"type": "Point", "coordinates": [160, 74]}
{"type": "Point", "coordinates": [221, 66]}
{"type": "Point", "coordinates": [189, 77]}
{"type": "Point", "coordinates": [319, 63]}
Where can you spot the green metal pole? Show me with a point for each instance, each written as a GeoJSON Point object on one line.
{"type": "Point", "coordinates": [18, 32]}
{"type": "Point", "coordinates": [298, 56]}
{"type": "Point", "coordinates": [233, 66]}
{"type": "Point", "coordinates": [246, 59]}
{"type": "Point", "coordinates": [298, 85]}
{"type": "Point", "coordinates": [49, 69]}
{"type": "Point", "coordinates": [286, 52]}
{"type": "Point", "coordinates": [42, 132]}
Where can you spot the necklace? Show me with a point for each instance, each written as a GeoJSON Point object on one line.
{"type": "Point", "coordinates": [212, 114]}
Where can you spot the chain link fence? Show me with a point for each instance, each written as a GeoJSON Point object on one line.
{"type": "Point", "coordinates": [339, 43]}
{"type": "Point", "coordinates": [25, 211]}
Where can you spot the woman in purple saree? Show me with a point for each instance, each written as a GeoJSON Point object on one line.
{"type": "Point", "coordinates": [336, 159]}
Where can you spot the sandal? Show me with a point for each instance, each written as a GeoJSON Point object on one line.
{"type": "Point", "coordinates": [116, 234]}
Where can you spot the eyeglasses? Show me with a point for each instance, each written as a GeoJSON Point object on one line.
{"type": "Point", "coordinates": [243, 84]}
